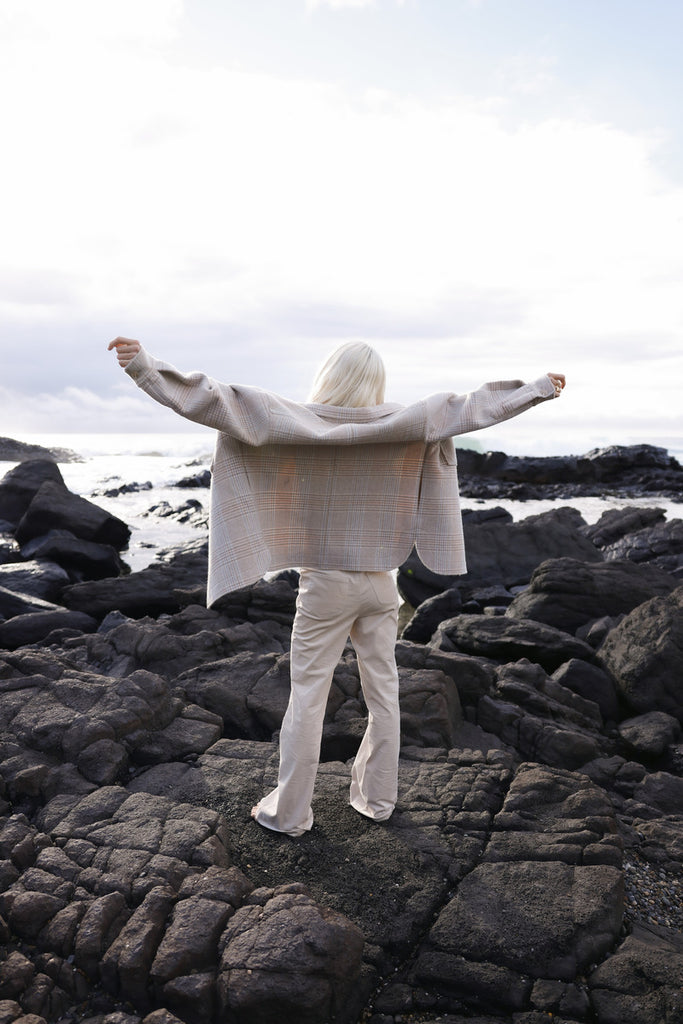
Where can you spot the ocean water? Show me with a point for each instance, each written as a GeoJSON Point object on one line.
{"type": "Point", "coordinates": [111, 460]}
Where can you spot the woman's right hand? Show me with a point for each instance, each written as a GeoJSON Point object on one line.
{"type": "Point", "coordinates": [126, 349]}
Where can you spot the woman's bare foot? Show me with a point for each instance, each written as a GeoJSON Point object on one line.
{"type": "Point", "coordinates": [253, 811]}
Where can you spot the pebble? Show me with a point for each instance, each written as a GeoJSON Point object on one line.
{"type": "Point", "coordinates": [653, 895]}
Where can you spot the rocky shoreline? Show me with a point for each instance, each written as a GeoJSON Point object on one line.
{"type": "Point", "coordinates": [531, 870]}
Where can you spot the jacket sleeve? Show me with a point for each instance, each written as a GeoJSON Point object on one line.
{"type": "Point", "coordinates": [491, 403]}
{"type": "Point", "coordinates": [241, 412]}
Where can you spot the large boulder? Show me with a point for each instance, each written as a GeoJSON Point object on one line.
{"type": "Point", "coordinates": [19, 486]}
{"type": "Point", "coordinates": [592, 683]}
{"type": "Point", "coordinates": [288, 952]}
{"type": "Point", "coordinates": [567, 593]}
{"type": "Point", "coordinates": [55, 507]}
{"type": "Point", "coordinates": [34, 579]}
{"type": "Point", "coordinates": [504, 639]}
{"type": "Point", "coordinates": [660, 545]}
{"type": "Point", "coordinates": [541, 719]}
{"type": "Point", "coordinates": [156, 589]}
{"type": "Point", "coordinates": [14, 602]}
{"type": "Point", "coordinates": [649, 735]}
{"type": "Point", "coordinates": [644, 655]}
{"type": "Point", "coordinates": [502, 551]}
{"type": "Point", "coordinates": [35, 627]}
{"type": "Point", "coordinates": [509, 552]}
{"type": "Point", "coordinates": [616, 523]}
{"type": "Point", "coordinates": [81, 558]}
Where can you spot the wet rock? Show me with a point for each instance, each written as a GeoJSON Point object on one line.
{"type": "Point", "coordinates": [660, 545]}
{"type": "Point", "coordinates": [9, 549]}
{"type": "Point", "coordinates": [200, 479]}
{"type": "Point", "coordinates": [132, 488]}
{"type": "Point", "coordinates": [13, 602]}
{"type": "Point", "coordinates": [648, 674]}
{"type": "Point", "coordinates": [566, 593]}
{"type": "Point", "coordinates": [55, 507]}
{"type": "Point", "coordinates": [190, 512]}
{"type": "Point", "coordinates": [35, 579]}
{"type": "Point", "coordinates": [79, 557]}
{"type": "Point", "coordinates": [508, 639]}
{"type": "Point", "coordinates": [19, 486]}
{"type": "Point", "coordinates": [616, 523]}
{"type": "Point", "coordinates": [627, 470]}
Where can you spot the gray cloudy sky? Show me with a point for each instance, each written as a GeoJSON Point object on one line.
{"type": "Point", "coordinates": [481, 189]}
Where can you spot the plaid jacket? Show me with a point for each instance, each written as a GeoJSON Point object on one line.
{"type": "Point", "coordinates": [329, 487]}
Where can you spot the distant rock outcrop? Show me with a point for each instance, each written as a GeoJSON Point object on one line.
{"type": "Point", "coordinates": [19, 451]}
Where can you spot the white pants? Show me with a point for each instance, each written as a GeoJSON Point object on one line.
{"type": "Point", "coordinates": [333, 605]}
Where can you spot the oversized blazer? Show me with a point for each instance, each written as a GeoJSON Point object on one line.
{"type": "Point", "coordinates": [328, 487]}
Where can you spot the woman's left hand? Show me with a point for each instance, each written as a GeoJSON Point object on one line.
{"type": "Point", "coordinates": [558, 381]}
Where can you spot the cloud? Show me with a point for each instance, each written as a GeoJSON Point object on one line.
{"type": "Point", "coordinates": [296, 190]}
{"type": "Point", "coordinates": [76, 410]}
{"type": "Point", "coordinates": [249, 220]}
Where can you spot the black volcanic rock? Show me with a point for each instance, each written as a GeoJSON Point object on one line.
{"type": "Point", "coordinates": [500, 551]}
{"type": "Point", "coordinates": [80, 557]}
{"type": "Point", "coordinates": [55, 507]}
{"type": "Point", "coordinates": [20, 451]}
{"type": "Point", "coordinates": [156, 589]}
{"type": "Point", "coordinates": [34, 627]}
{"type": "Point", "coordinates": [644, 655]}
{"type": "Point", "coordinates": [531, 868]}
{"type": "Point", "coordinates": [505, 639]}
{"type": "Point", "coordinates": [567, 593]}
{"type": "Point", "coordinates": [19, 486]}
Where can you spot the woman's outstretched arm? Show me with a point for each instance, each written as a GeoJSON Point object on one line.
{"type": "Point", "coordinates": [241, 412]}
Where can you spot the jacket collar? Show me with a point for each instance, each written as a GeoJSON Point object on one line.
{"type": "Point", "coordinates": [365, 414]}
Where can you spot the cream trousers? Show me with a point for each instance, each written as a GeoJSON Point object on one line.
{"type": "Point", "coordinates": [333, 605]}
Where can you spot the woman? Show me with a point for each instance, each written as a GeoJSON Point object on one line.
{"type": "Point", "coordinates": [343, 486]}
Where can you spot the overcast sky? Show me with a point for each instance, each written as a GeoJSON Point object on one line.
{"type": "Point", "coordinates": [482, 188]}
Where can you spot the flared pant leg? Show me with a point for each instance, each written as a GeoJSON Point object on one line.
{"type": "Point", "coordinates": [374, 775]}
{"type": "Point", "coordinates": [323, 620]}
{"type": "Point", "coordinates": [332, 605]}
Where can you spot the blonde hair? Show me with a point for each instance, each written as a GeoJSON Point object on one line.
{"type": "Point", "coordinates": [353, 376]}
